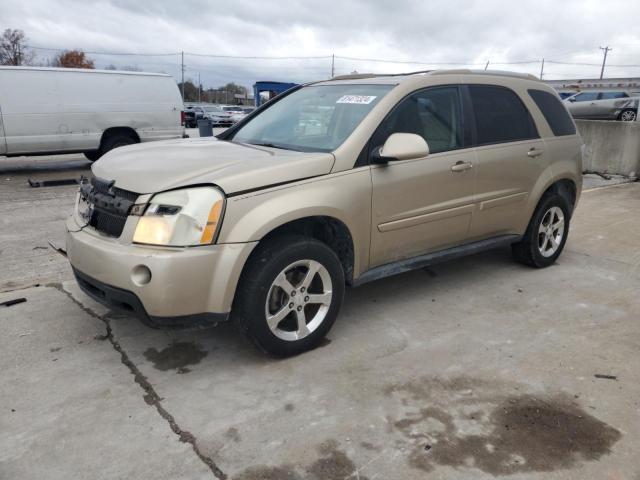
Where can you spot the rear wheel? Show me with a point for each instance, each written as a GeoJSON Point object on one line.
{"type": "Point", "coordinates": [115, 141]}
{"type": "Point", "coordinates": [628, 115]}
{"type": "Point", "coordinates": [92, 155]}
{"type": "Point", "coordinates": [109, 143]}
{"type": "Point", "coordinates": [289, 295]}
{"type": "Point", "coordinates": [546, 234]}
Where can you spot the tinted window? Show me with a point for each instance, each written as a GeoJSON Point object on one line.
{"type": "Point", "coordinates": [586, 96]}
{"type": "Point", "coordinates": [612, 95]}
{"type": "Point", "coordinates": [554, 112]}
{"type": "Point", "coordinates": [434, 114]}
{"type": "Point", "coordinates": [500, 115]}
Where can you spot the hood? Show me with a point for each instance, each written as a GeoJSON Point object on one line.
{"type": "Point", "coordinates": [158, 166]}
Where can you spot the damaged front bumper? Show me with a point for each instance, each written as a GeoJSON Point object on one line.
{"type": "Point", "coordinates": [183, 287]}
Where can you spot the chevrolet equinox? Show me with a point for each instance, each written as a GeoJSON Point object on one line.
{"type": "Point", "coordinates": [331, 184]}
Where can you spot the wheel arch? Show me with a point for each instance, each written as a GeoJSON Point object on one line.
{"type": "Point", "coordinates": [566, 188]}
{"type": "Point", "coordinates": [327, 229]}
{"type": "Point", "coordinates": [111, 131]}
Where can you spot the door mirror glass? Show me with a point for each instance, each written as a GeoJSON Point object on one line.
{"type": "Point", "coordinates": [402, 146]}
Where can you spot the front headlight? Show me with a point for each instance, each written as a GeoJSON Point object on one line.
{"type": "Point", "coordinates": [181, 218]}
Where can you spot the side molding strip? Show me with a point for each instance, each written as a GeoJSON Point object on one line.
{"type": "Point", "coordinates": [413, 263]}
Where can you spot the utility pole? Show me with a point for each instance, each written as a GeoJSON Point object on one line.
{"type": "Point", "coordinates": [199, 87]}
{"type": "Point", "coordinates": [542, 69]}
{"type": "Point", "coordinates": [604, 60]}
{"type": "Point", "coordinates": [487, 65]}
{"type": "Point", "coordinates": [182, 68]}
{"type": "Point", "coordinates": [333, 63]}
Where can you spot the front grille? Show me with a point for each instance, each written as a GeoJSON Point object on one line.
{"type": "Point", "coordinates": [111, 206]}
{"type": "Point", "coordinates": [108, 223]}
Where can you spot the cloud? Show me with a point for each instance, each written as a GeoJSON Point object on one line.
{"type": "Point", "coordinates": [403, 30]}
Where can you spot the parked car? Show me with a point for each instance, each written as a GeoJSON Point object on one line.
{"type": "Point", "coordinates": [603, 105]}
{"type": "Point", "coordinates": [68, 110]}
{"type": "Point", "coordinates": [269, 222]}
{"type": "Point", "coordinates": [190, 117]}
{"type": "Point", "coordinates": [241, 113]}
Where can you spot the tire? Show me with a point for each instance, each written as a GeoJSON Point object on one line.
{"type": "Point", "coordinates": [115, 141]}
{"type": "Point", "coordinates": [285, 261]}
{"type": "Point", "coordinates": [627, 115]}
{"type": "Point", "coordinates": [543, 240]}
{"type": "Point", "coordinates": [92, 155]}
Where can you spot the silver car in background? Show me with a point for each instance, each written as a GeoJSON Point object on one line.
{"type": "Point", "coordinates": [604, 105]}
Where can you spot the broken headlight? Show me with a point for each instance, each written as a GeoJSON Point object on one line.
{"type": "Point", "coordinates": [180, 218]}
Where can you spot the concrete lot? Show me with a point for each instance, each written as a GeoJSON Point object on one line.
{"type": "Point", "coordinates": [467, 370]}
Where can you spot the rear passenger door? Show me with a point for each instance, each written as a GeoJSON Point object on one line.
{"type": "Point", "coordinates": [510, 159]}
{"type": "Point", "coordinates": [422, 205]}
{"type": "Point", "coordinates": [584, 105]}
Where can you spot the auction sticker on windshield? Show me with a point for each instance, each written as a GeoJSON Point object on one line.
{"type": "Point", "coordinates": [358, 99]}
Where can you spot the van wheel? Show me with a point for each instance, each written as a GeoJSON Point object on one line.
{"type": "Point", "coordinates": [115, 141]}
{"type": "Point", "coordinates": [289, 295]}
{"type": "Point", "coordinates": [92, 155]}
{"type": "Point", "coordinates": [628, 115]}
{"type": "Point", "coordinates": [546, 234]}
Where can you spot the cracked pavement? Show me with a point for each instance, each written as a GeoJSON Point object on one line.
{"type": "Point", "coordinates": [472, 369]}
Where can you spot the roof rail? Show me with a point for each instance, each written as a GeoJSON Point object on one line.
{"type": "Point", "coordinates": [499, 73]}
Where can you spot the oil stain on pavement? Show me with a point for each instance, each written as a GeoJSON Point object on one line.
{"type": "Point", "coordinates": [463, 423]}
{"type": "Point", "coordinates": [332, 464]}
{"type": "Point", "coordinates": [176, 356]}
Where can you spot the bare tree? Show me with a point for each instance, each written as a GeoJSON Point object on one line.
{"type": "Point", "coordinates": [13, 50]}
{"type": "Point", "coordinates": [73, 59]}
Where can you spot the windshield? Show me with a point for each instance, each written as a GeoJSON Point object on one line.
{"type": "Point", "coordinates": [212, 109]}
{"type": "Point", "coordinates": [312, 119]}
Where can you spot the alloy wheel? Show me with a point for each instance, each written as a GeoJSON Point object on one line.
{"type": "Point", "coordinates": [551, 231]}
{"type": "Point", "coordinates": [298, 300]}
{"type": "Point", "coordinates": [628, 116]}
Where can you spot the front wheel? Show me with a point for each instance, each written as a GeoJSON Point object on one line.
{"type": "Point", "coordinates": [289, 295]}
{"type": "Point", "coordinates": [546, 234]}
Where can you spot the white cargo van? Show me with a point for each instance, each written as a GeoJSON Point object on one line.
{"type": "Point", "coordinates": [65, 110]}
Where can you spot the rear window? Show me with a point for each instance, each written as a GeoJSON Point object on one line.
{"type": "Point", "coordinates": [554, 112]}
{"type": "Point", "coordinates": [500, 115]}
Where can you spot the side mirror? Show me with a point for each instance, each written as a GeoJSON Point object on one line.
{"type": "Point", "coordinates": [572, 99]}
{"type": "Point", "coordinates": [401, 146]}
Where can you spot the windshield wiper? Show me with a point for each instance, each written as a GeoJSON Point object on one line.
{"type": "Point", "coordinates": [273, 145]}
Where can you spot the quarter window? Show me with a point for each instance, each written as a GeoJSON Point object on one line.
{"type": "Point", "coordinates": [434, 114]}
{"type": "Point", "coordinates": [554, 112]}
{"type": "Point", "coordinates": [500, 115]}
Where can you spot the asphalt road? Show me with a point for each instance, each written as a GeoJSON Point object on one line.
{"type": "Point", "coordinates": [471, 369]}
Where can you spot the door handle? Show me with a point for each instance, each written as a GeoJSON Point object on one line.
{"type": "Point", "coordinates": [534, 152]}
{"type": "Point", "coordinates": [461, 166]}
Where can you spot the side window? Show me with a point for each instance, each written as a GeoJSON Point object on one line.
{"type": "Point", "coordinates": [554, 112]}
{"type": "Point", "coordinates": [613, 95]}
{"type": "Point", "coordinates": [433, 113]}
{"type": "Point", "coordinates": [586, 96]}
{"type": "Point", "coordinates": [500, 115]}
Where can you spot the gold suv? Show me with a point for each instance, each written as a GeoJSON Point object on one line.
{"type": "Point", "coordinates": [331, 184]}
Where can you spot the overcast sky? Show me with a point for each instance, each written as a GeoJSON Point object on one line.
{"type": "Point", "coordinates": [402, 30]}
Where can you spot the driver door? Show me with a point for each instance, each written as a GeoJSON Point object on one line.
{"type": "Point", "coordinates": [423, 205]}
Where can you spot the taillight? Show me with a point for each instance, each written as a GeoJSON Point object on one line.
{"type": "Point", "coordinates": [182, 118]}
